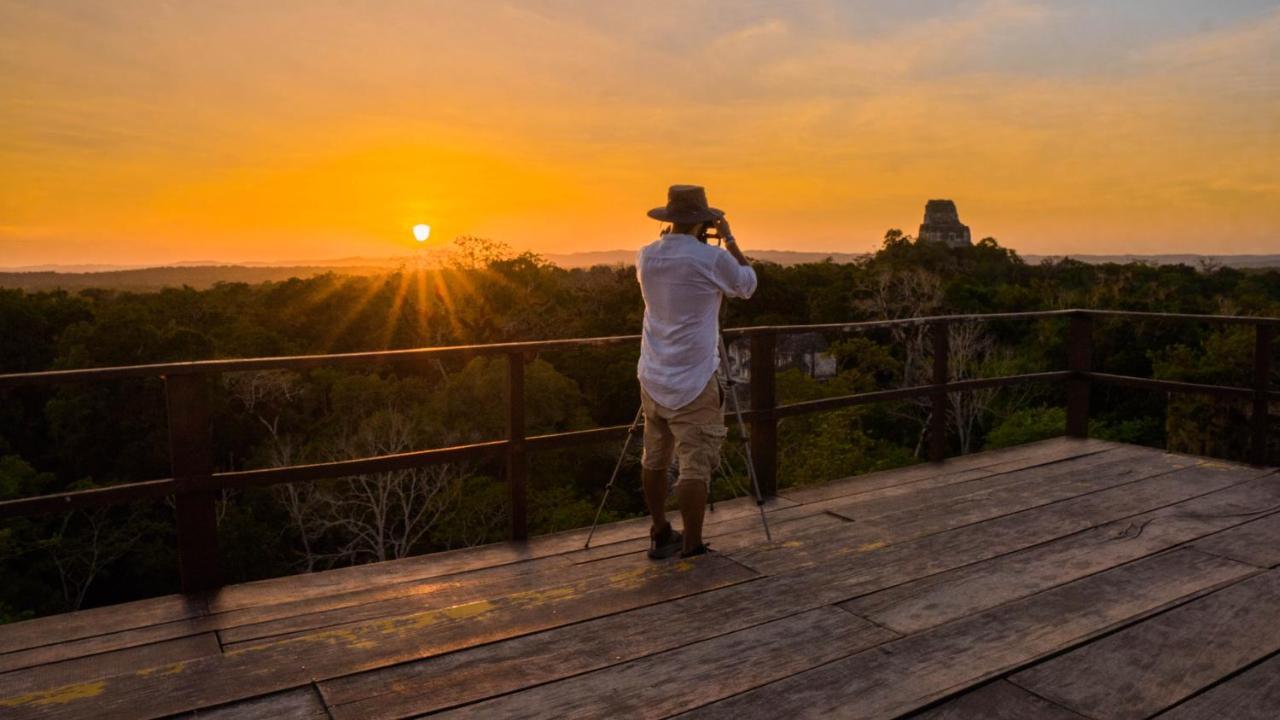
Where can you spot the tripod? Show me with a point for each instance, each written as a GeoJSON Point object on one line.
{"type": "Point", "coordinates": [727, 378]}
{"type": "Point", "coordinates": [727, 384]}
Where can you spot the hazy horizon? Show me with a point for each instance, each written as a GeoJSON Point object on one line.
{"type": "Point", "coordinates": [150, 133]}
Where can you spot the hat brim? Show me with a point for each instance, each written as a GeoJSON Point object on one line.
{"type": "Point", "coordinates": [686, 216]}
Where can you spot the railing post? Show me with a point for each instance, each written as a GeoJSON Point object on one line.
{"type": "Point", "coordinates": [764, 428]}
{"type": "Point", "coordinates": [191, 457]}
{"type": "Point", "coordinates": [1079, 360]}
{"type": "Point", "coordinates": [517, 457]}
{"type": "Point", "coordinates": [1264, 334]}
{"type": "Point", "coordinates": [938, 399]}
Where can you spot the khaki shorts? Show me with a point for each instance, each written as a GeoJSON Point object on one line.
{"type": "Point", "coordinates": [692, 434]}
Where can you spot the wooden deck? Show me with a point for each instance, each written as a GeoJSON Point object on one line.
{"type": "Point", "coordinates": [1065, 579]}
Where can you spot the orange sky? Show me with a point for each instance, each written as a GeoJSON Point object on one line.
{"type": "Point", "coordinates": [148, 132]}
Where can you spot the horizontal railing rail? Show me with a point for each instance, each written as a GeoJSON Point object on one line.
{"type": "Point", "coordinates": [195, 485]}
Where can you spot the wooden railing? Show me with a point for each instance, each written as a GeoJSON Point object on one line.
{"type": "Point", "coordinates": [195, 485]}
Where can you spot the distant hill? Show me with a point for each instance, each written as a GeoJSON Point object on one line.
{"type": "Point", "coordinates": [628, 257]}
{"type": "Point", "coordinates": [156, 278]}
{"type": "Point", "coordinates": [205, 275]}
{"type": "Point", "coordinates": [1236, 261]}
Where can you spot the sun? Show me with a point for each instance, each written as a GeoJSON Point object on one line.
{"type": "Point", "coordinates": [422, 232]}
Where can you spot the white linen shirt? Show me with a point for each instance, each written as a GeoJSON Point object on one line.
{"type": "Point", "coordinates": [682, 280]}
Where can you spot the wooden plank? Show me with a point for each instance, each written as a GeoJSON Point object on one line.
{"type": "Point", "coordinates": [728, 516]}
{"type": "Point", "coordinates": [725, 535]}
{"type": "Point", "coordinates": [1041, 452]}
{"type": "Point", "coordinates": [446, 563]}
{"type": "Point", "coordinates": [1148, 667]}
{"type": "Point", "coordinates": [407, 598]}
{"type": "Point", "coordinates": [70, 626]}
{"type": "Point", "coordinates": [906, 674]}
{"type": "Point", "coordinates": [999, 700]}
{"type": "Point", "coordinates": [933, 600]}
{"type": "Point", "coordinates": [1256, 543]}
{"type": "Point", "coordinates": [481, 672]}
{"type": "Point", "coordinates": [1252, 695]}
{"type": "Point", "coordinates": [253, 602]}
{"type": "Point", "coordinates": [931, 498]}
{"type": "Point", "coordinates": [426, 590]}
{"type": "Point", "coordinates": [100, 645]}
{"type": "Point", "coordinates": [476, 673]}
{"type": "Point", "coordinates": [1076, 475]}
{"type": "Point", "coordinates": [299, 704]}
{"type": "Point", "coordinates": [255, 596]}
{"type": "Point", "coordinates": [259, 668]}
{"type": "Point", "coordinates": [136, 659]}
{"type": "Point", "coordinates": [1120, 487]}
{"type": "Point", "coordinates": [661, 685]}
{"type": "Point", "coordinates": [422, 567]}
{"type": "Point", "coordinates": [157, 611]}
{"type": "Point", "coordinates": [441, 592]}
{"type": "Point", "coordinates": [870, 503]}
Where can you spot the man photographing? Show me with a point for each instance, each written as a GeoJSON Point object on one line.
{"type": "Point", "coordinates": [683, 280]}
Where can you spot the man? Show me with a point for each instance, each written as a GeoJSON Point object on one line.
{"type": "Point", "coordinates": [683, 280]}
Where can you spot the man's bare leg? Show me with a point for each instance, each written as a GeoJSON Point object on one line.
{"type": "Point", "coordinates": [692, 496]}
{"type": "Point", "coordinates": [655, 497]}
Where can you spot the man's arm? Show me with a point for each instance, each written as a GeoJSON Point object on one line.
{"type": "Point", "coordinates": [736, 278]}
{"type": "Point", "coordinates": [730, 244]}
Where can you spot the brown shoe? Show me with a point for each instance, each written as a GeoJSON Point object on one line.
{"type": "Point", "coordinates": [702, 549]}
{"type": "Point", "coordinates": [665, 544]}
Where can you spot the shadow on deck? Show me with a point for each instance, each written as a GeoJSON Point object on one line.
{"type": "Point", "coordinates": [1060, 579]}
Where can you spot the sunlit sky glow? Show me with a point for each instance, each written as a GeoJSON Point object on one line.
{"type": "Point", "coordinates": [148, 132]}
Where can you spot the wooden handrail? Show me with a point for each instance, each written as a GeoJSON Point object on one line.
{"type": "Point", "coordinates": [194, 484]}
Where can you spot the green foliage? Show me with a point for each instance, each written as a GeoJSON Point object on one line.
{"type": "Point", "coordinates": [90, 435]}
{"type": "Point", "coordinates": [1027, 425]}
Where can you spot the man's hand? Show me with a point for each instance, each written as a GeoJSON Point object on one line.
{"type": "Point", "coordinates": [723, 231]}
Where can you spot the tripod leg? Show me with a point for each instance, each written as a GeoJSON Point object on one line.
{"type": "Point", "coordinates": [626, 445]}
{"type": "Point", "coordinates": [751, 468]}
{"type": "Point", "coordinates": [746, 441]}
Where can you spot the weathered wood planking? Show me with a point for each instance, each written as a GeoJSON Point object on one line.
{"type": "Point", "coordinates": [806, 526]}
{"type": "Point", "coordinates": [999, 700]}
{"type": "Point", "coordinates": [473, 674]}
{"type": "Point", "coordinates": [1168, 478]}
{"type": "Point", "coordinates": [726, 536]}
{"type": "Point", "coordinates": [322, 611]}
{"type": "Point", "coordinates": [281, 597]}
{"type": "Point", "coordinates": [136, 659]}
{"type": "Point", "coordinates": [661, 685]}
{"type": "Point", "coordinates": [1256, 542]}
{"type": "Point", "coordinates": [299, 704]}
{"type": "Point", "coordinates": [1002, 460]}
{"type": "Point", "coordinates": [100, 645]}
{"type": "Point", "coordinates": [1148, 667]}
{"type": "Point", "coordinates": [480, 672]}
{"type": "Point", "coordinates": [263, 667]}
{"type": "Point", "coordinates": [431, 594]}
{"type": "Point", "coordinates": [1252, 695]}
{"type": "Point", "coordinates": [815, 499]}
{"type": "Point", "coordinates": [406, 598]}
{"type": "Point", "coordinates": [936, 599]}
{"type": "Point", "coordinates": [1068, 477]}
{"type": "Point", "coordinates": [136, 624]}
{"type": "Point", "coordinates": [541, 549]}
{"type": "Point", "coordinates": [907, 674]}
{"type": "Point", "coordinates": [422, 567]}
{"type": "Point", "coordinates": [98, 621]}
